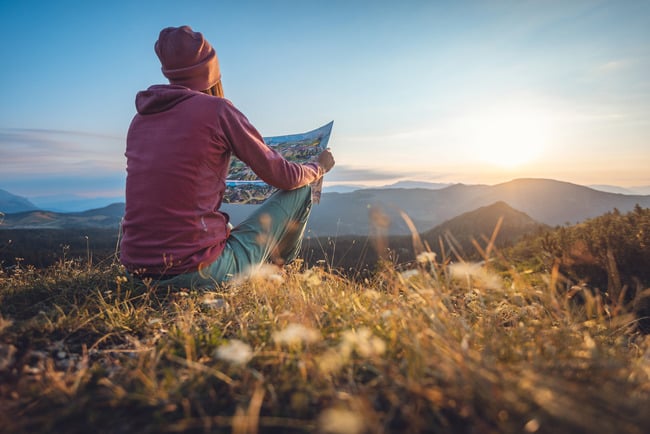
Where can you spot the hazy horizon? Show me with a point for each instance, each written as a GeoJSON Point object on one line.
{"type": "Point", "coordinates": [76, 202]}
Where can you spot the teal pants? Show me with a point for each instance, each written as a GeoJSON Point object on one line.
{"type": "Point", "coordinates": [273, 233]}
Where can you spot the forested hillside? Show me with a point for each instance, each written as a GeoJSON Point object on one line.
{"type": "Point", "coordinates": [610, 251]}
{"type": "Point", "coordinates": [607, 258]}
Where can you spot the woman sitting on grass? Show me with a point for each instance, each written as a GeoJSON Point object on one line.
{"type": "Point", "coordinates": [178, 152]}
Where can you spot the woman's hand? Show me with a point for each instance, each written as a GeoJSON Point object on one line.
{"type": "Point", "coordinates": [326, 160]}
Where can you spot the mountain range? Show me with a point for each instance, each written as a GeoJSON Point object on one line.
{"type": "Point", "coordinates": [546, 201]}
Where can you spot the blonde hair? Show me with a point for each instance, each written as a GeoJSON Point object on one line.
{"type": "Point", "coordinates": [216, 90]}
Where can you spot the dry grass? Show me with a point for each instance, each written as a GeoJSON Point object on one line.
{"type": "Point", "coordinates": [460, 349]}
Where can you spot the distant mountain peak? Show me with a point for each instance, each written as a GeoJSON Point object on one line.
{"type": "Point", "coordinates": [481, 224]}
{"type": "Point", "coordinates": [493, 212]}
{"type": "Point", "coordinates": [11, 203]}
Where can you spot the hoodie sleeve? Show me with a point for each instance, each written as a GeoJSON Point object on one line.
{"type": "Point", "coordinates": [248, 145]}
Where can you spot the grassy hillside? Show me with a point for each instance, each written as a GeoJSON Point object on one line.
{"type": "Point", "coordinates": [441, 347]}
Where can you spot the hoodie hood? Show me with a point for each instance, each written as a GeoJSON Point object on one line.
{"type": "Point", "coordinates": [161, 97]}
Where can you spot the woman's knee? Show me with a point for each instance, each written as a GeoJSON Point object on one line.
{"type": "Point", "coordinates": [303, 193]}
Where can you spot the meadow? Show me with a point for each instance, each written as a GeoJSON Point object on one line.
{"type": "Point", "coordinates": [501, 345]}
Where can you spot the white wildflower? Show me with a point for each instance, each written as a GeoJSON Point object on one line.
{"type": "Point", "coordinates": [426, 258]}
{"type": "Point", "coordinates": [212, 302]}
{"type": "Point", "coordinates": [532, 425]}
{"type": "Point", "coordinates": [477, 272]}
{"type": "Point", "coordinates": [268, 272]}
{"type": "Point", "coordinates": [371, 294]}
{"type": "Point", "coordinates": [295, 334]}
{"type": "Point", "coordinates": [235, 352]}
{"type": "Point", "coordinates": [340, 421]}
{"type": "Point", "coordinates": [360, 342]}
{"type": "Point", "coordinates": [363, 342]}
{"type": "Point", "coordinates": [590, 344]}
{"type": "Point", "coordinates": [275, 278]}
{"type": "Point", "coordinates": [311, 278]}
{"type": "Point", "coordinates": [408, 274]}
{"type": "Point", "coordinates": [331, 361]}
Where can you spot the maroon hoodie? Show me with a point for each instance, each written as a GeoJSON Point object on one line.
{"type": "Point", "coordinates": [178, 152]}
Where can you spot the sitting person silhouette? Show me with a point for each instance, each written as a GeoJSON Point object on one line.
{"type": "Point", "coordinates": [178, 151]}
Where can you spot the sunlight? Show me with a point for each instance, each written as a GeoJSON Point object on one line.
{"type": "Point", "coordinates": [509, 137]}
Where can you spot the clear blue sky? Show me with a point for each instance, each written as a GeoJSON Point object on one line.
{"type": "Point", "coordinates": [444, 91]}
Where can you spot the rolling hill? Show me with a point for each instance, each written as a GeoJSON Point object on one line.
{"type": "Point", "coordinates": [102, 218]}
{"type": "Point", "coordinates": [481, 225]}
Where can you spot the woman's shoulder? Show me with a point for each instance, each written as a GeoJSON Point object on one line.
{"type": "Point", "coordinates": [214, 101]}
{"type": "Point", "coordinates": [225, 107]}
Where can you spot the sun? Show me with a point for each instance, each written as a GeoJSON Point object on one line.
{"type": "Point", "coordinates": [509, 138]}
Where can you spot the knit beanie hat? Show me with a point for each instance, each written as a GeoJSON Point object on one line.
{"type": "Point", "coordinates": [187, 58]}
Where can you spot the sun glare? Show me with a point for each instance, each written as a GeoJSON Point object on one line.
{"type": "Point", "coordinates": [509, 138]}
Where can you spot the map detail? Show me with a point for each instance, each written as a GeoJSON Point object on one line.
{"type": "Point", "coordinates": [243, 186]}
